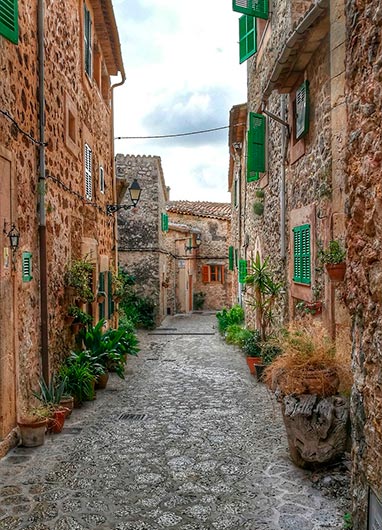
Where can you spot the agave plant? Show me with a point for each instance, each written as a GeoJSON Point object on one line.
{"type": "Point", "coordinates": [50, 394]}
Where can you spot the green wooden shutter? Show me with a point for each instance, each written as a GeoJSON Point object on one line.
{"type": "Point", "coordinates": [242, 270]}
{"type": "Point", "coordinates": [231, 258]}
{"type": "Point", "coordinates": [247, 37]}
{"type": "Point", "coordinates": [301, 254]}
{"type": "Point", "coordinates": [255, 146]}
{"type": "Point", "coordinates": [110, 302]}
{"type": "Point", "coordinates": [302, 110]}
{"type": "Point", "coordinates": [102, 305]}
{"type": "Point", "coordinates": [236, 257]}
{"type": "Point", "coordinates": [9, 20]}
{"type": "Point", "coordinates": [164, 222]}
{"type": "Point", "coordinates": [255, 8]}
{"type": "Point", "coordinates": [27, 267]}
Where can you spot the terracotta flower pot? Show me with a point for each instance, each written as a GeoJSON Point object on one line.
{"type": "Point", "coordinates": [67, 403]}
{"type": "Point", "coordinates": [251, 361]}
{"type": "Point", "coordinates": [56, 422]}
{"type": "Point", "coordinates": [32, 432]}
{"type": "Point", "coordinates": [336, 271]}
{"type": "Point", "coordinates": [323, 383]}
{"type": "Point", "coordinates": [102, 381]}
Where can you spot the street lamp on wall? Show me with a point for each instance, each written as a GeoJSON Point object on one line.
{"type": "Point", "coordinates": [14, 239]}
{"type": "Point", "coordinates": [198, 241]}
{"type": "Point", "coordinates": [135, 194]}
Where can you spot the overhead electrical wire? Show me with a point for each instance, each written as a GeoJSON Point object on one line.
{"type": "Point", "coordinates": [177, 135]}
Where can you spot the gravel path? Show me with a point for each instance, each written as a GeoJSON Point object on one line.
{"type": "Point", "coordinates": [200, 446]}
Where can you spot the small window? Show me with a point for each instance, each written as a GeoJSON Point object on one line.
{"type": "Point", "coordinates": [9, 23]}
{"type": "Point", "coordinates": [88, 51]}
{"type": "Point", "coordinates": [301, 108]}
{"type": "Point", "coordinates": [88, 156]}
{"type": "Point", "coordinates": [301, 251]}
{"type": "Point", "coordinates": [213, 273]}
{"type": "Point", "coordinates": [72, 127]}
{"type": "Point", "coordinates": [101, 180]}
{"type": "Point", "coordinates": [27, 266]}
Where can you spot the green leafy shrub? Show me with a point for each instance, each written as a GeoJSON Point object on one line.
{"type": "Point", "coordinates": [77, 372]}
{"type": "Point", "coordinates": [334, 253]}
{"type": "Point", "coordinates": [198, 300]}
{"type": "Point", "coordinates": [78, 276]}
{"type": "Point", "coordinates": [252, 345]}
{"type": "Point", "coordinates": [236, 334]}
{"type": "Point", "coordinates": [227, 317]}
{"type": "Point", "coordinates": [258, 208]}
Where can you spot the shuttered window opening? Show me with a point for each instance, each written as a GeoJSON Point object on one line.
{"type": "Point", "coordinates": [27, 267]}
{"type": "Point", "coordinates": [255, 8]}
{"type": "Point", "coordinates": [102, 305]}
{"type": "Point", "coordinates": [302, 254]}
{"type": "Point", "coordinates": [242, 270]}
{"type": "Point", "coordinates": [247, 37]}
{"type": "Point", "coordinates": [256, 146]}
{"type": "Point", "coordinates": [231, 258]}
{"type": "Point", "coordinates": [88, 155]}
{"type": "Point", "coordinates": [164, 222]}
{"type": "Point", "coordinates": [110, 301]}
{"type": "Point", "coordinates": [302, 110]}
{"type": "Point", "coordinates": [9, 24]}
{"type": "Point", "coordinates": [213, 273]}
{"type": "Point", "coordinates": [88, 41]}
{"type": "Point", "coordinates": [101, 180]}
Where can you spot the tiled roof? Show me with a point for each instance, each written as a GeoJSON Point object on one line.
{"type": "Point", "coordinates": [217, 210]}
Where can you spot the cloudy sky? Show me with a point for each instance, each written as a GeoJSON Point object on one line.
{"type": "Point", "coordinates": [183, 74]}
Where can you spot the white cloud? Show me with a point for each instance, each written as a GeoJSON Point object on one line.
{"type": "Point", "coordinates": [181, 61]}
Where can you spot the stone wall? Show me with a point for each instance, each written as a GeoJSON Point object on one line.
{"type": "Point", "coordinates": [364, 240]}
{"type": "Point", "coordinates": [140, 238]}
{"type": "Point", "coordinates": [77, 111]}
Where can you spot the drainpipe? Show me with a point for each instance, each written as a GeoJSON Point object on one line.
{"type": "Point", "coordinates": [41, 200]}
{"type": "Point", "coordinates": [120, 83]}
{"type": "Point", "coordinates": [284, 146]}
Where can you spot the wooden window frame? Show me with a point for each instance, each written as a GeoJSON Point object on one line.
{"type": "Point", "coordinates": [88, 42]}
{"type": "Point", "coordinates": [88, 171]}
{"type": "Point", "coordinates": [213, 274]}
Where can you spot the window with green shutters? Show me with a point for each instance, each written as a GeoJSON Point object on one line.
{"type": "Point", "coordinates": [255, 8]}
{"type": "Point", "coordinates": [242, 270]}
{"type": "Point", "coordinates": [302, 110]}
{"type": "Point", "coordinates": [302, 254]}
{"type": "Point", "coordinates": [255, 146]}
{"type": "Point", "coordinates": [9, 23]}
{"type": "Point", "coordinates": [102, 305]}
{"type": "Point", "coordinates": [231, 258]}
{"type": "Point", "coordinates": [27, 266]}
{"type": "Point", "coordinates": [164, 222]}
{"type": "Point", "coordinates": [247, 37]}
{"type": "Point", "coordinates": [236, 257]}
{"type": "Point", "coordinates": [88, 50]}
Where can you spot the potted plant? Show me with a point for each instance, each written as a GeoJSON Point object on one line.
{"type": "Point", "coordinates": [117, 286]}
{"type": "Point", "coordinates": [32, 425]}
{"type": "Point", "coordinates": [334, 259]}
{"type": "Point", "coordinates": [50, 396]}
{"type": "Point", "coordinates": [306, 377]}
{"type": "Point", "coordinates": [268, 353]}
{"type": "Point", "coordinates": [78, 373]}
{"type": "Point", "coordinates": [252, 350]}
{"type": "Point", "coordinates": [78, 278]}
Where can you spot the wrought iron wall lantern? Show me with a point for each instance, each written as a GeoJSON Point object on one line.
{"type": "Point", "coordinates": [198, 241]}
{"type": "Point", "coordinates": [135, 194]}
{"type": "Point", "coordinates": [14, 239]}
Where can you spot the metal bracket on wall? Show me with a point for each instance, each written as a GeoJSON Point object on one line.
{"type": "Point", "coordinates": [275, 118]}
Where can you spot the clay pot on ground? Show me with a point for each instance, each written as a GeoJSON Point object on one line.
{"type": "Point", "coordinates": [102, 380]}
{"type": "Point", "coordinates": [323, 382]}
{"type": "Point", "coordinates": [56, 422]}
{"type": "Point", "coordinates": [336, 271]}
{"type": "Point", "coordinates": [32, 432]}
{"type": "Point", "coordinates": [67, 402]}
{"type": "Point", "coordinates": [251, 362]}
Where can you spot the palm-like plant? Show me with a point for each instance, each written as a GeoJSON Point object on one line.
{"type": "Point", "coordinates": [265, 292]}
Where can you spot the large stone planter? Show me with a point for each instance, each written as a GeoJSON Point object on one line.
{"type": "Point", "coordinates": [317, 428]}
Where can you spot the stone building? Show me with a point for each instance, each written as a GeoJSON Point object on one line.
{"type": "Point", "coordinates": [287, 153]}
{"type": "Point", "coordinates": [157, 241]}
{"type": "Point", "coordinates": [56, 179]}
{"type": "Point", "coordinates": [204, 267]}
{"type": "Point", "coordinates": [142, 230]}
{"type": "Point", "coordinates": [364, 260]}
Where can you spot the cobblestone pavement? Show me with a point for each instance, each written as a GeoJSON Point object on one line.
{"type": "Point", "coordinates": [208, 451]}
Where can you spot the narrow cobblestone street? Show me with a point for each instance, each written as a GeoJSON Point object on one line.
{"type": "Point", "coordinates": [205, 450]}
